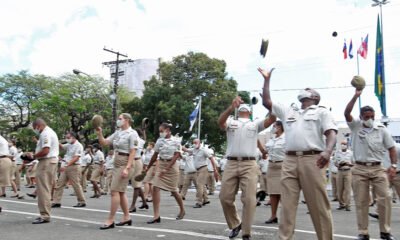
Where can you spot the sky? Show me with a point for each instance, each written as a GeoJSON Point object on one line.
{"type": "Point", "coordinates": [54, 37]}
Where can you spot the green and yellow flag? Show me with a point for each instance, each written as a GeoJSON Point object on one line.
{"type": "Point", "coordinates": [380, 69]}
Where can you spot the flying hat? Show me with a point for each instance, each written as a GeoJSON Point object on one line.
{"type": "Point", "coordinates": [358, 82]}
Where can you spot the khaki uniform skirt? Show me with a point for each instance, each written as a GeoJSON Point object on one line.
{"type": "Point", "coordinates": [5, 172]}
{"type": "Point", "coordinates": [137, 169]}
{"type": "Point", "coordinates": [169, 181]}
{"type": "Point", "coordinates": [13, 170]}
{"type": "Point", "coordinates": [149, 176]}
{"type": "Point", "coordinates": [274, 177]}
{"type": "Point", "coordinates": [96, 173]}
{"type": "Point", "coordinates": [118, 183]}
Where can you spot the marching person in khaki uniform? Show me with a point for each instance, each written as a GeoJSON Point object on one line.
{"type": "Point", "coordinates": [70, 171]}
{"type": "Point", "coordinates": [138, 168]}
{"type": "Point", "coordinates": [200, 156]}
{"type": "Point", "coordinates": [125, 143]}
{"type": "Point", "coordinates": [370, 141]}
{"type": "Point", "coordinates": [276, 150]}
{"type": "Point", "coordinates": [5, 165]}
{"type": "Point", "coordinates": [310, 134]}
{"type": "Point", "coordinates": [108, 166]}
{"type": "Point", "coordinates": [47, 150]}
{"type": "Point", "coordinates": [13, 154]}
{"type": "Point", "coordinates": [19, 162]}
{"type": "Point", "coordinates": [167, 149]}
{"type": "Point", "coordinates": [212, 170]}
{"type": "Point", "coordinates": [343, 161]}
{"type": "Point", "coordinates": [190, 174]}
{"type": "Point", "coordinates": [333, 172]}
{"type": "Point", "coordinates": [97, 170]}
{"type": "Point", "coordinates": [86, 163]}
{"type": "Point", "coordinates": [147, 181]}
{"type": "Point", "coordinates": [240, 170]}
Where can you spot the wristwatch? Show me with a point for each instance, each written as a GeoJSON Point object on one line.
{"type": "Point", "coordinates": [394, 165]}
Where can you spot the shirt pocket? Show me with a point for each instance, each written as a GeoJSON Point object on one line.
{"type": "Point", "coordinates": [310, 120]}
{"type": "Point", "coordinates": [251, 131]}
{"type": "Point", "coordinates": [375, 142]}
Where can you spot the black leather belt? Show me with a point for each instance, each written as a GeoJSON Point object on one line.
{"type": "Point", "coordinates": [344, 169]}
{"type": "Point", "coordinates": [368, 163]}
{"type": "Point", "coordinates": [137, 158]}
{"type": "Point", "coordinates": [301, 153]}
{"type": "Point", "coordinates": [123, 154]}
{"type": "Point", "coordinates": [275, 161]}
{"type": "Point", "coordinates": [241, 158]}
{"type": "Point", "coordinates": [166, 160]}
{"type": "Point", "coordinates": [201, 167]}
{"type": "Point", "coordinates": [4, 157]}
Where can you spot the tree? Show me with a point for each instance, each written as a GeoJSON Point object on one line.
{"type": "Point", "coordinates": [173, 97]}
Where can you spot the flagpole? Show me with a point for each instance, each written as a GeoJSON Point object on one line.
{"type": "Point", "coordinates": [198, 130]}
{"type": "Point", "coordinates": [358, 73]}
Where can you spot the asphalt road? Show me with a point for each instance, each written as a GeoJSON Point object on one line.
{"type": "Point", "coordinates": [70, 223]}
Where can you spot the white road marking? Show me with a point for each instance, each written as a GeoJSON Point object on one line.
{"type": "Point", "coordinates": [186, 220]}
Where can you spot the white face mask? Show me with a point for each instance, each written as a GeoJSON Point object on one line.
{"type": "Point", "coordinates": [304, 94]}
{"type": "Point", "coordinates": [163, 134]}
{"type": "Point", "coordinates": [344, 147]}
{"type": "Point", "coordinates": [369, 123]}
{"type": "Point", "coordinates": [120, 123]}
{"type": "Point", "coordinates": [273, 130]}
{"type": "Point", "coordinates": [36, 131]}
{"type": "Point", "coordinates": [197, 145]}
{"type": "Point", "coordinates": [69, 140]}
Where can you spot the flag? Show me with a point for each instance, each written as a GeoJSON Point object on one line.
{"type": "Point", "coordinates": [363, 49]}
{"type": "Point", "coordinates": [351, 49]}
{"type": "Point", "coordinates": [193, 116]}
{"type": "Point", "coordinates": [344, 50]}
{"type": "Point", "coordinates": [379, 70]}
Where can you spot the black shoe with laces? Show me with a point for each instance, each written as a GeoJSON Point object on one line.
{"type": "Point", "coordinates": [387, 236]}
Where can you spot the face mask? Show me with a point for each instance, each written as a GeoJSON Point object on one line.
{"type": "Point", "coordinates": [304, 94]}
{"type": "Point", "coordinates": [69, 140]}
{"type": "Point", "coordinates": [273, 130]}
{"type": "Point", "coordinates": [197, 145]}
{"type": "Point", "coordinates": [369, 123]}
{"type": "Point", "coordinates": [95, 149]}
{"type": "Point", "coordinates": [120, 123]}
{"type": "Point", "coordinates": [344, 147]}
{"type": "Point", "coordinates": [163, 134]}
{"type": "Point", "coordinates": [36, 131]}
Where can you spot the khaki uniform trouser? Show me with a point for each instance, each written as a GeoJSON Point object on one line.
{"type": "Point", "coordinates": [45, 174]}
{"type": "Point", "coordinates": [301, 173]}
{"type": "Point", "coordinates": [201, 191]}
{"type": "Point", "coordinates": [211, 182]}
{"type": "Point", "coordinates": [108, 180]}
{"type": "Point", "coordinates": [71, 174]}
{"type": "Point", "coordinates": [334, 185]}
{"type": "Point", "coordinates": [188, 180]}
{"type": "Point", "coordinates": [395, 183]}
{"type": "Point", "coordinates": [84, 173]}
{"type": "Point", "coordinates": [363, 177]}
{"type": "Point", "coordinates": [263, 182]}
{"type": "Point", "coordinates": [344, 187]}
{"type": "Point", "coordinates": [239, 174]}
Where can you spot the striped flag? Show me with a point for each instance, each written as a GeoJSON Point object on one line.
{"type": "Point", "coordinates": [344, 50]}
{"type": "Point", "coordinates": [363, 49]}
{"type": "Point", "coordinates": [193, 116]}
{"type": "Point", "coordinates": [351, 49]}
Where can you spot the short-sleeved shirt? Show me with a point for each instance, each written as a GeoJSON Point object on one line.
{"type": "Point", "coordinates": [13, 152]}
{"type": "Point", "coordinates": [48, 138]}
{"type": "Point", "coordinates": [369, 144]}
{"type": "Point", "coordinates": [73, 150]}
{"type": "Point", "coordinates": [139, 147]}
{"type": "Point", "coordinates": [343, 157]}
{"type": "Point", "coordinates": [242, 136]}
{"type": "Point", "coordinates": [148, 154]}
{"type": "Point", "coordinates": [276, 148]}
{"type": "Point", "coordinates": [189, 164]}
{"type": "Point", "coordinates": [109, 162]}
{"type": "Point", "coordinates": [18, 159]}
{"type": "Point", "coordinates": [124, 140]}
{"type": "Point", "coordinates": [167, 147]}
{"type": "Point", "coordinates": [305, 128]}
{"type": "Point", "coordinates": [200, 156]}
{"type": "Point", "coordinates": [98, 157]}
{"type": "Point", "coordinates": [4, 150]}
{"type": "Point", "coordinates": [86, 160]}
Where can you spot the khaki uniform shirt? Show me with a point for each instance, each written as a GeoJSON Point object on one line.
{"type": "Point", "coordinates": [276, 148]}
{"type": "Point", "coordinates": [369, 145]}
{"type": "Point", "coordinates": [343, 157]}
{"type": "Point", "coordinates": [167, 147]}
{"type": "Point", "coordinates": [148, 154]}
{"type": "Point", "coordinates": [98, 157]}
{"type": "Point", "coordinates": [139, 147]}
{"type": "Point", "coordinates": [242, 135]}
{"type": "Point", "coordinates": [200, 156]}
{"type": "Point", "coordinates": [48, 138]}
{"type": "Point", "coordinates": [13, 152]}
{"type": "Point", "coordinates": [73, 150]}
{"type": "Point", "coordinates": [85, 160]}
{"type": "Point", "coordinates": [124, 140]}
{"type": "Point", "coordinates": [305, 128]}
{"type": "Point", "coordinates": [109, 162]}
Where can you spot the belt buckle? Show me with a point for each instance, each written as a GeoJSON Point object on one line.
{"type": "Point", "coordinates": [299, 153]}
{"type": "Point", "coordinates": [368, 164]}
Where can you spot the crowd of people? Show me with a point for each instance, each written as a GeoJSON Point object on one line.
{"type": "Point", "coordinates": [291, 164]}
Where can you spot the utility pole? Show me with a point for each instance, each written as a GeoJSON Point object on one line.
{"type": "Point", "coordinates": [115, 88]}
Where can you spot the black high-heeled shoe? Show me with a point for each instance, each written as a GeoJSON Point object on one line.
{"type": "Point", "coordinates": [132, 210]}
{"type": "Point", "coordinates": [271, 221]}
{"type": "Point", "coordinates": [180, 215]}
{"type": "Point", "coordinates": [144, 206]}
{"type": "Point", "coordinates": [128, 222]}
{"type": "Point", "coordinates": [157, 220]}
{"type": "Point", "coordinates": [104, 227]}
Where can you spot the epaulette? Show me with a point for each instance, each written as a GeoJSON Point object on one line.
{"type": "Point", "coordinates": [321, 106]}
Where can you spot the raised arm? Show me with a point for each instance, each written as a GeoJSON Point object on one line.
{"type": "Point", "coordinates": [266, 95]}
{"type": "Point", "coordinates": [102, 140]}
{"type": "Point", "coordinates": [224, 116]}
{"type": "Point", "coordinates": [350, 105]}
